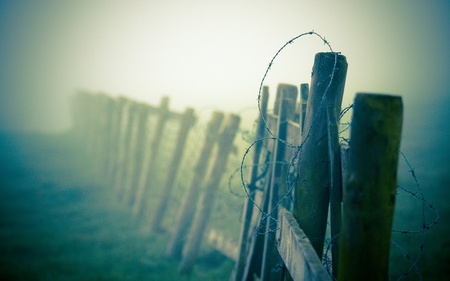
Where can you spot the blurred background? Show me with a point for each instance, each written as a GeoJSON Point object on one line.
{"type": "Point", "coordinates": [213, 55]}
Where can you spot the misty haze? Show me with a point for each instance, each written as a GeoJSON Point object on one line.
{"type": "Point", "coordinates": [144, 140]}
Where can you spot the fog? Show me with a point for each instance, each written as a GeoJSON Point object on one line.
{"type": "Point", "coordinates": [210, 54]}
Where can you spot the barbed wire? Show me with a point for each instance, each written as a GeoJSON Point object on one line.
{"type": "Point", "coordinates": [293, 172]}
{"type": "Point", "coordinates": [293, 165]}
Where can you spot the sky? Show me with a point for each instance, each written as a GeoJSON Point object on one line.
{"type": "Point", "coordinates": [211, 54]}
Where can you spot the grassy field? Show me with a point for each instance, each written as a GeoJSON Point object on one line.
{"type": "Point", "coordinates": [58, 221]}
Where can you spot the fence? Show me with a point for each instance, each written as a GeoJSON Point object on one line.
{"type": "Point", "coordinates": [299, 176]}
{"type": "Point", "coordinates": [306, 181]}
{"type": "Point", "coordinates": [139, 149]}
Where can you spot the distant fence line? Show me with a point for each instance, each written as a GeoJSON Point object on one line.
{"type": "Point", "coordinates": [140, 148]}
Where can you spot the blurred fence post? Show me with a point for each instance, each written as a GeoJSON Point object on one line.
{"type": "Point", "coordinates": [284, 111]}
{"type": "Point", "coordinates": [187, 121]}
{"type": "Point", "coordinates": [137, 153]}
{"type": "Point", "coordinates": [187, 210]}
{"type": "Point", "coordinates": [118, 138]}
{"type": "Point", "coordinates": [148, 170]}
{"type": "Point", "coordinates": [225, 144]}
{"type": "Point", "coordinates": [247, 213]}
{"type": "Point", "coordinates": [105, 111]}
{"type": "Point", "coordinates": [370, 188]}
{"type": "Point", "coordinates": [127, 148]}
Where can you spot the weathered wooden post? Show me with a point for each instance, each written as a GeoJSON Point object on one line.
{"type": "Point", "coordinates": [148, 170]}
{"type": "Point", "coordinates": [371, 182]}
{"type": "Point", "coordinates": [138, 152]}
{"type": "Point", "coordinates": [110, 137]}
{"type": "Point", "coordinates": [187, 210]}
{"type": "Point", "coordinates": [128, 146]}
{"type": "Point", "coordinates": [284, 110]}
{"type": "Point", "coordinates": [247, 213]}
{"type": "Point", "coordinates": [312, 187]}
{"type": "Point", "coordinates": [118, 137]}
{"type": "Point", "coordinates": [225, 144]}
{"type": "Point", "coordinates": [101, 127]}
{"type": "Point", "coordinates": [104, 145]}
{"type": "Point", "coordinates": [187, 121]}
{"type": "Point", "coordinates": [92, 122]}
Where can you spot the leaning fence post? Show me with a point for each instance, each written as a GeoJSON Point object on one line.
{"type": "Point", "coordinates": [369, 195]}
{"type": "Point", "coordinates": [137, 153]}
{"type": "Point", "coordinates": [127, 149]}
{"type": "Point", "coordinates": [225, 144]}
{"type": "Point", "coordinates": [247, 212]}
{"type": "Point", "coordinates": [148, 169]}
{"type": "Point", "coordinates": [312, 187]}
{"type": "Point", "coordinates": [285, 109]}
{"type": "Point", "coordinates": [187, 210]}
{"type": "Point", "coordinates": [188, 120]}
{"type": "Point", "coordinates": [118, 136]}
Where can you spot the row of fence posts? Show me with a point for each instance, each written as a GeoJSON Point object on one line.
{"type": "Point", "coordinates": [315, 182]}
{"type": "Point", "coordinates": [311, 179]}
{"type": "Point", "coordinates": [125, 138]}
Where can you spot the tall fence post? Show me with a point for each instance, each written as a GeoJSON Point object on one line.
{"type": "Point", "coordinates": [225, 144]}
{"type": "Point", "coordinates": [138, 152]}
{"type": "Point", "coordinates": [103, 147]}
{"type": "Point", "coordinates": [370, 187]}
{"type": "Point", "coordinates": [188, 120]}
{"type": "Point", "coordinates": [247, 213]}
{"type": "Point", "coordinates": [187, 210]}
{"type": "Point", "coordinates": [111, 137]}
{"type": "Point", "coordinates": [126, 148]}
{"type": "Point", "coordinates": [118, 136]}
{"type": "Point", "coordinates": [312, 187]}
{"type": "Point", "coordinates": [148, 170]}
{"type": "Point", "coordinates": [285, 110]}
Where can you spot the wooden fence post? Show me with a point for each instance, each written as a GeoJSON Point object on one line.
{"type": "Point", "coordinates": [247, 213]}
{"type": "Point", "coordinates": [137, 153]}
{"type": "Point", "coordinates": [312, 187]}
{"type": "Point", "coordinates": [110, 135]}
{"type": "Point", "coordinates": [187, 121]}
{"type": "Point", "coordinates": [370, 188]}
{"type": "Point", "coordinates": [187, 210]}
{"type": "Point", "coordinates": [127, 149]}
{"type": "Point", "coordinates": [225, 144]}
{"type": "Point", "coordinates": [118, 137]}
{"type": "Point", "coordinates": [105, 145]}
{"type": "Point", "coordinates": [103, 125]}
{"type": "Point", "coordinates": [285, 110]}
{"type": "Point", "coordinates": [149, 167]}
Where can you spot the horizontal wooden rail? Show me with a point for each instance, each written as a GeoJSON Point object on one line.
{"type": "Point", "coordinates": [297, 251]}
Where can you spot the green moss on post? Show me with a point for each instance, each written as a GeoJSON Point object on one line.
{"type": "Point", "coordinates": [369, 193]}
